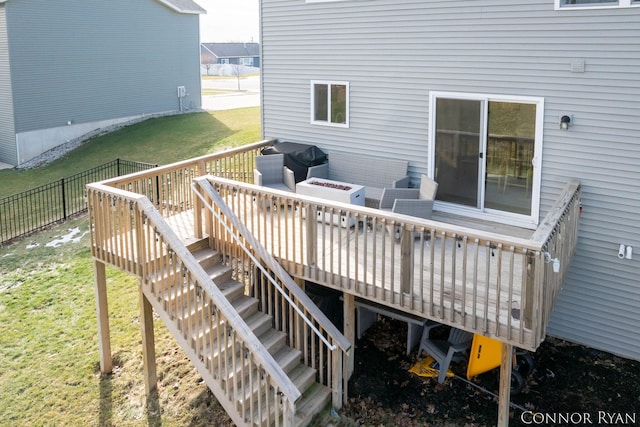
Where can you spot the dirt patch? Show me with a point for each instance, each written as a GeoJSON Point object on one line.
{"type": "Point", "coordinates": [568, 379]}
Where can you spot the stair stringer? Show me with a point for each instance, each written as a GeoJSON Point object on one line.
{"type": "Point", "coordinates": [212, 383]}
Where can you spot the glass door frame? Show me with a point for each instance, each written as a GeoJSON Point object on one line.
{"type": "Point", "coordinates": [520, 220]}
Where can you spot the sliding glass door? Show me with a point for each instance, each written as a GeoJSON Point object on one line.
{"type": "Point", "coordinates": [485, 153]}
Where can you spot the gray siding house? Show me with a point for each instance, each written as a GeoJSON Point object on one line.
{"type": "Point", "coordinates": [69, 68]}
{"type": "Point", "coordinates": [247, 54]}
{"type": "Point", "coordinates": [501, 102]}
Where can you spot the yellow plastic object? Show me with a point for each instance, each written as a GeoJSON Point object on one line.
{"type": "Point", "coordinates": [427, 367]}
{"type": "Point", "coordinates": [485, 355]}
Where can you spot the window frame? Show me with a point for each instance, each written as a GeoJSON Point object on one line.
{"type": "Point", "coordinates": [619, 4]}
{"type": "Point", "coordinates": [329, 84]}
{"type": "Point", "coordinates": [504, 217]}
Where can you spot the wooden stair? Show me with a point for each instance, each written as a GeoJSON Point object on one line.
{"type": "Point", "coordinates": [196, 330]}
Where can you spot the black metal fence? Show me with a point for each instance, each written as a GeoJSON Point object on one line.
{"type": "Point", "coordinates": [32, 210]}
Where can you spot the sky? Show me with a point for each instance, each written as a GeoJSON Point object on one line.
{"type": "Point", "coordinates": [229, 21]}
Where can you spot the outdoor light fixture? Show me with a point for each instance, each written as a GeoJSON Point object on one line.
{"type": "Point", "coordinates": [564, 122]}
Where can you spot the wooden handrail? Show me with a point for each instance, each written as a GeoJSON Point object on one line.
{"type": "Point", "coordinates": [196, 161]}
{"type": "Point", "coordinates": [204, 183]}
{"type": "Point", "coordinates": [556, 212]}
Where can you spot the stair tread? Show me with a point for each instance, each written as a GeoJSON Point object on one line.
{"type": "Point", "coordinates": [198, 244]}
{"type": "Point", "coordinates": [207, 257]}
{"type": "Point", "coordinates": [219, 272]}
{"type": "Point", "coordinates": [301, 375]}
{"type": "Point", "coordinates": [313, 400]}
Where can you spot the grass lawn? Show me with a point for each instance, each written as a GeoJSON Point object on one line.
{"type": "Point", "coordinates": [49, 365]}
{"type": "Point", "coordinates": [161, 140]}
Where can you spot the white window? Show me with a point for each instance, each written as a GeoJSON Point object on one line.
{"type": "Point", "coordinates": [330, 103]}
{"type": "Point", "coordinates": [594, 4]}
{"type": "Point", "coordinates": [485, 155]}
{"type": "Point", "coordinates": [246, 61]}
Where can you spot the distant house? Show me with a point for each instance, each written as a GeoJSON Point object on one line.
{"type": "Point", "coordinates": [247, 54]}
{"type": "Point", "coordinates": [70, 68]}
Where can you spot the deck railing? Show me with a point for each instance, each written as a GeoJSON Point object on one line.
{"type": "Point", "coordinates": [169, 187]}
{"type": "Point", "coordinates": [492, 284]}
{"type": "Point", "coordinates": [130, 234]}
{"type": "Point", "coordinates": [323, 347]}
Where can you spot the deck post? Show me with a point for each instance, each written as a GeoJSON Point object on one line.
{"type": "Point", "coordinates": [148, 344]}
{"type": "Point", "coordinates": [505, 385]}
{"type": "Point", "coordinates": [312, 235]}
{"type": "Point", "coordinates": [338, 394]}
{"type": "Point", "coordinates": [349, 309]}
{"type": "Point", "coordinates": [197, 216]}
{"type": "Point", "coordinates": [102, 311]}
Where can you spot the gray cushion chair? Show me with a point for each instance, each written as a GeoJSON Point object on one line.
{"type": "Point", "coordinates": [271, 172]}
{"type": "Point", "coordinates": [416, 202]}
{"type": "Point", "coordinates": [454, 348]}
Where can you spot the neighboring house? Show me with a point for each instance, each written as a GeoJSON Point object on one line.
{"type": "Point", "coordinates": [501, 102]}
{"type": "Point", "coordinates": [69, 68]}
{"type": "Point", "coordinates": [247, 54]}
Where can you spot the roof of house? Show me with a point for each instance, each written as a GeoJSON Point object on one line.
{"type": "Point", "coordinates": [230, 50]}
{"type": "Point", "coordinates": [181, 6]}
{"type": "Point", "coordinates": [184, 6]}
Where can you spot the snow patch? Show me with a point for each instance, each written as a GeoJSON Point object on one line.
{"type": "Point", "coordinates": [67, 238]}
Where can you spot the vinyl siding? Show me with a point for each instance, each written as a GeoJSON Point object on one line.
{"type": "Point", "coordinates": [394, 53]}
{"type": "Point", "coordinates": [7, 135]}
{"type": "Point", "coordinates": [89, 60]}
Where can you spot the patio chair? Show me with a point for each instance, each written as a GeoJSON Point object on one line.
{"type": "Point", "coordinates": [416, 202]}
{"type": "Point", "coordinates": [271, 172]}
{"type": "Point", "coordinates": [445, 351]}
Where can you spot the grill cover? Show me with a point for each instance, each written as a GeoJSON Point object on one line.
{"type": "Point", "coordinates": [298, 157]}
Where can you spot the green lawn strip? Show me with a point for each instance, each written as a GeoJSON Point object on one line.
{"type": "Point", "coordinates": [160, 141]}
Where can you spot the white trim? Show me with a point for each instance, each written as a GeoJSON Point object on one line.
{"type": "Point", "coordinates": [619, 4]}
{"type": "Point", "coordinates": [528, 221]}
{"type": "Point", "coordinates": [194, 10]}
{"type": "Point", "coordinates": [328, 122]}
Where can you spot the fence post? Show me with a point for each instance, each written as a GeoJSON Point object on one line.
{"type": "Point", "coordinates": [118, 167]}
{"type": "Point", "coordinates": [64, 201]}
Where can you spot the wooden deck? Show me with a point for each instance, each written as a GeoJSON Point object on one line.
{"type": "Point", "coordinates": [483, 277]}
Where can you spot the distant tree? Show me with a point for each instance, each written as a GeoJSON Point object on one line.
{"type": "Point", "coordinates": [237, 70]}
{"type": "Point", "coordinates": [208, 67]}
